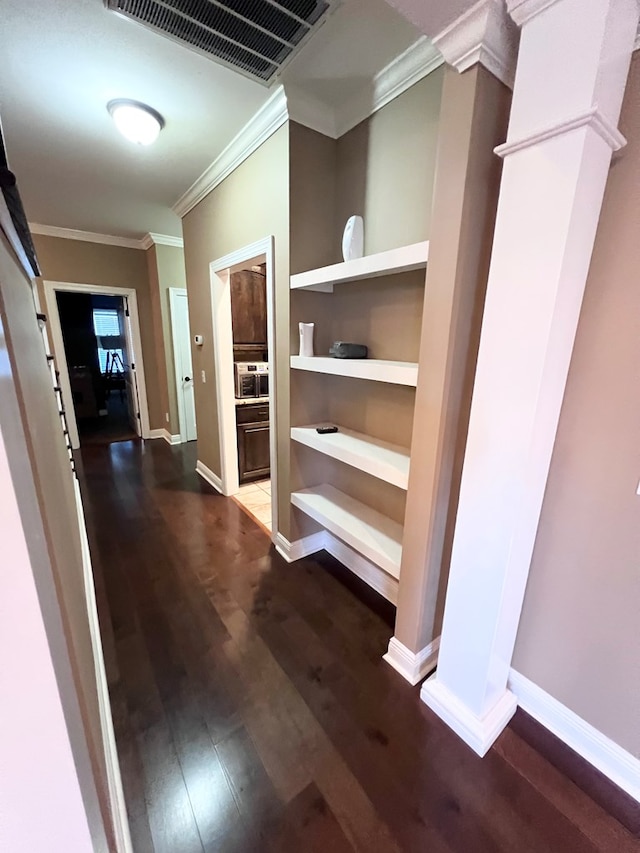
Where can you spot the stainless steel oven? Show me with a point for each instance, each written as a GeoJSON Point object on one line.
{"type": "Point", "coordinates": [252, 379]}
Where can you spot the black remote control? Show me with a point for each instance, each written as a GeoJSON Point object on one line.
{"type": "Point", "coordinates": [325, 430]}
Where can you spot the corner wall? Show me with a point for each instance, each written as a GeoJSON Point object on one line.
{"type": "Point", "coordinates": [579, 635]}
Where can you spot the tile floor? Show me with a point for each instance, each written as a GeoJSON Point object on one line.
{"type": "Point", "coordinates": [255, 498]}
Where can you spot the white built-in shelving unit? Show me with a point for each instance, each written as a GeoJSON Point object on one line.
{"type": "Point", "coordinates": [374, 369]}
{"type": "Point", "coordinates": [388, 462]}
{"type": "Point", "coordinates": [372, 534]}
{"type": "Point", "coordinates": [394, 261]}
{"type": "Point", "coordinates": [368, 532]}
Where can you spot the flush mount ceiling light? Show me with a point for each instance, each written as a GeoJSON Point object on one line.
{"type": "Point", "coordinates": [137, 122]}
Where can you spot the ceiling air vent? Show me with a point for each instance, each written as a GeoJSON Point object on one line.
{"type": "Point", "coordinates": [255, 37]}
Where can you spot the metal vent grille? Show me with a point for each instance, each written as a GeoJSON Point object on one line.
{"type": "Point", "coordinates": [255, 37]}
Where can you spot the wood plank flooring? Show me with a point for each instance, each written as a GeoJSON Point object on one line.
{"type": "Point", "coordinates": [252, 709]}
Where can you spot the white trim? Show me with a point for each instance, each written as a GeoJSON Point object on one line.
{"type": "Point", "coordinates": [164, 433]}
{"type": "Point", "coordinates": [484, 34]}
{"type": "Point", "coordinates": [208, 475]}
{"type": "Point", "coordinates": [524, 10]}
{"type": "Point", "coordinates": [618, 765]}
{"type": "Point", "coordinates": [477, 732]}
{"type": "Point", "coordinates": [269, 118]}
{"type": "Point", "coordinates": [591, 118]}
{"type": "Point", "coordinates": [220, 271]}
{"type": "Point", "coordinates": [292, 551]}
{"type": "Point", "coordinates": [84, 236]}
{"type": "Point", "coordinates": [636, 43]}
{"type": "Point", "coordinates": [411, 665]}
{"type": "Point", "coordinates": [407, 69]}
{"type": "Point", "coordinates": [311, 112]}
{"type": "Point", "coordinates": [371, 574]}
{"type": "Point", "coordinates": [106, 239]}
{"type": "Point", "coordinates": [152, 239]}
{"type": "Point", "coordinates": [114, 778]}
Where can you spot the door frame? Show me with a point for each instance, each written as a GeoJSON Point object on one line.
{"type": "Point", "coordinates": [220, 271]}
{"type": "Point", "coordinates": [134, 344]}
{"type": "Point", "coordinates": [174, 293]}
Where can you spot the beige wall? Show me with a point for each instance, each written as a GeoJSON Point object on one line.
{"type": "Point", "coordinates": [165, 265]}
{"type": "Point", "coordinates": [110, 266]}
{"type": "Point", "coordinates": [252, 203]}
{"type": "Point", "coordinates": [579, 635]}
{"type": "Point", "coordinates": [386, 169]}
{"type": "Point", "coordinates": [44, 486]}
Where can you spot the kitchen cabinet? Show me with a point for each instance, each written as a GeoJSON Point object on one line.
{"type": "Point", "coordinates": [249, 308]}
{"type": "Point", "coordinates": [252, 423]}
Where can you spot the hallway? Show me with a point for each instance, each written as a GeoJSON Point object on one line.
{"type": "Point", "coordinates": [253, 711]}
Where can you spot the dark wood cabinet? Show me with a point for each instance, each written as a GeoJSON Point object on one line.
{"type": "Point", "coordinates": [249, 308]}
{"type": "Point", "coordinates": [253, 442]}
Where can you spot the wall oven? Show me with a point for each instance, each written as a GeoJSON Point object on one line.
{"type": "Point", "coordinates": [252, 379]}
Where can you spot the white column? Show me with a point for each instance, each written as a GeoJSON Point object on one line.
{"type": "Point", "coordinates": [572, 68]}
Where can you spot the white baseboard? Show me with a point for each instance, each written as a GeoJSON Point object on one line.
{"type": "Point", "coordinates": [292, 551]}
{"type": "Point", "coordinates": [371, 574]}
{"type": "Point", "coordinates": [412, 666]}
{"type": "Point", "coordinates": [618, 765]}
{"type": "Point", "coordinates": [164, 433]}
{"type": "Point", "coordinates": [477, 732]}
{"type": "Point", "coordinates": [208, 475]}
{"type": "Point", "coordinates": [117, 803]}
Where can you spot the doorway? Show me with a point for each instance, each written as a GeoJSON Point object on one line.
{"type": "Point", "coordinates": [246, 427]}
{"type": "Point", "coordinates": [181, 338]}
{"type": "Point", "coordinates": [96, 340]}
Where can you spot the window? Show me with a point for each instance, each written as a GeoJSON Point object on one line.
{"type": "Point", "coordinates": [106, 325]}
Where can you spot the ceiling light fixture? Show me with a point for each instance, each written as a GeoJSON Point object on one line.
{"type": "Point", "coordinates": [137, 122]}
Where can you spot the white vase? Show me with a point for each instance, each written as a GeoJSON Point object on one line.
{"type": "Point", "coordinates": [306, 338]}
{"type": "Point", "coordinates": [353, 238]}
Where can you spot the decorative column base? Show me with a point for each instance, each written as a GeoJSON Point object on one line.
{"type": "Point", "coordinates": [477, 732]}
{"type": "Point", "coordinates": [413, 666]}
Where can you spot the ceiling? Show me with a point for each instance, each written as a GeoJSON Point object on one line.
{"type": "Point", "coordinates": [61, 61]}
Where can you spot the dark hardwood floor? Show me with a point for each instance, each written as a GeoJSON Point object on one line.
{"type": "Point", "coordinates": [253, 711]}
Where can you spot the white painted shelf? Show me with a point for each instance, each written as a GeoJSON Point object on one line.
{"type": "Point", "coordinates": [388, 462]}
{"type": "Point", "coordinates": [372, 534]}
{"type": "Point", "coordinates": [375, 369]}
{"type": "Point", "coordinates": [404, 259]}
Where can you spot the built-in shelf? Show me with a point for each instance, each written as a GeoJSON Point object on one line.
{"type": "Point", "coordinates": [388, 462]}
{"type": "Point", "coordinates": [404, 259]}
{"type": "Point", "coordinates": [374, 369]}
{"type": "Point", "coordinates": [375, 536]}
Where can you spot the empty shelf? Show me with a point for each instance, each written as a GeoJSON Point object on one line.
{"type": "Point", "coordinates": [404, 259]}
{"type": "Point", "coordinates": [388, 462]}
{"type": "Point", "coordinates": [372, 534]}
{"type": "Point", "coordinates": [374, 369]}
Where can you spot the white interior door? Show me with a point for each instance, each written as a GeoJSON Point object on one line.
{"type": "Point", "coordinates": [183, 365]}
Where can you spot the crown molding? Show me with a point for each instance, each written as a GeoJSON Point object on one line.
{"type": "Point", "coordinates": [484, 34]}
{"type": "Point", "coordinates": [152, 239]}
{"type": "Point", "coordinates": [106, 239]}
{"type": "Point", "coordinates": [400, 74]}
{"type": "Point", "coordinates": [592, 118]}
{"type": "Point", "coordinates": [269, 118]}
{"type": "Point", "coordinates": [84, 236]}
{"type": "Point", "coordinates": [524, 10]}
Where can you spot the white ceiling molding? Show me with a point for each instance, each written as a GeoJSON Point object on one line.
{"type": "Point", "coordinates": [84, 236]}
{"type": "Point", "coordinates": [484, 34]}
{"type": "Point", "coordinates": [106, 239]}
{"type": "Point", "coordinates": [636, 43]}
{"type": "Point", "coordinates": [150, 240]}
{"type": "Point", "coordinates": [404, 71]}
{"type": "Point", "coordinates": [271, 116]}
{"type": "Point", "coordinates": [523, 10]}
